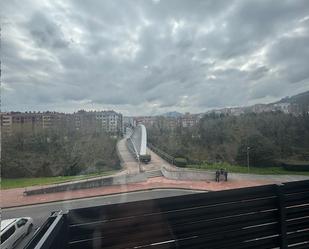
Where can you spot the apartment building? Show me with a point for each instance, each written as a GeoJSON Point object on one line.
{"type": "Point", "coordinates": [17, 121]}
{"type": "Point", "coordinates": [109, 121]}
{"type": "Point", "coordinates": [189, 120]}
{"type": "Point", "coordinates": [148, 121]}
{"type": "Point", "coordinates": [6, 123]}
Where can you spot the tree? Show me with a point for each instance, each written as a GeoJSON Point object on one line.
{"type": "Point", "coordinates": [262, 151]}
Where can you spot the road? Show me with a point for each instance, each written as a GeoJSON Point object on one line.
{"type": "Point", "coordinates": [40, 212]}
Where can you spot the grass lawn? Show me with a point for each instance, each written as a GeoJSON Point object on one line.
{"type": "Point", "coordinates": [7, 183]}
{"type": "Point", "coordinates": [252, 170]}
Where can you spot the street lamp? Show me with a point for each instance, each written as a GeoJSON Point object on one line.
{"type": "Point", "coordinates": [248, 159]}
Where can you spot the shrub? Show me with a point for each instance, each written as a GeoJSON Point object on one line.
{"type": "Point", "coordinates": [180, 162]}
{"type": "Point", "coordinates": [100, 165]}
{"type": "Point", "coordinates": [295, 165]}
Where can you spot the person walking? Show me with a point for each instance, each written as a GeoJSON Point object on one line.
{"type": "Point", "coordinates": [217, 176]}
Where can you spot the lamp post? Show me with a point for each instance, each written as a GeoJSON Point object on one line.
{"type": "Point", "coordinates": [139, 165]}
{"type": "Point", "coordinates": [248, 158]}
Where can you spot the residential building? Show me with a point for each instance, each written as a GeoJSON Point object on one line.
{"type": "Point", "coordinates": [189, 120]}
{"type": "Point", "coordinates": [110, 121]}
{"type": "Point", "coordinates": [31, 122]}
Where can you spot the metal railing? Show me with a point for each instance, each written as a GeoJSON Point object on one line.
{"type": "Point", "coordinates": [162, 154]}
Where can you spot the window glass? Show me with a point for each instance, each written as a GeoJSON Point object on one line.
{"type": "Point", "coordinates": [21, 222]}
{"type": "Point", "coordinates": [115, 101]}
{"type": "Point", "coordinates": [7, 234]}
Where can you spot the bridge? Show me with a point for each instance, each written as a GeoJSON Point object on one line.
{"type": "Point", "coordinates": [136, 157]}
{"type": "Point", "coordinates": [137, 143]}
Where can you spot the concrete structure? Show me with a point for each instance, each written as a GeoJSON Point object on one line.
{"type": "Point", "coordinates": [91, 183]}
{"type": "Point", "coordinates": [137, 142]}
{"type": "Point", "coordinates": [176, 173]}
{"type": "Point", "coordinates": [128, 158]}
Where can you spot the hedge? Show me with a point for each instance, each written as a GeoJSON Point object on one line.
{"type": "Point", "coordinates": [180, 162]}
{"type": "Point", "coordinates": [295, 166]}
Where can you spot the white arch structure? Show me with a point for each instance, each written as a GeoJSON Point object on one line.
{"type": "Point", "coordinates": [137, 142]}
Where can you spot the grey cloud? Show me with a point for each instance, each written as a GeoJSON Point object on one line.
{"type": "Point", "coordinates": [45, 32]}
{"type": "Point", "coordinates": [259, 73]}
{"type": "Point", "coordinates": [151, 56]}
{"type": "Point", "coordinates": [291, 55]}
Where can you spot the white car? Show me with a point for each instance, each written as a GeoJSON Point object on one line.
{"type": "Point", "coordinates": [13, 230]}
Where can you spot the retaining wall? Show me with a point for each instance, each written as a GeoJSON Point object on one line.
{"type": "Point", "coordinates": [177, 173]}
{"type": "Point", "coordinates": [187, 174]}
{"type": "Point", "coordinates": [95, 183]}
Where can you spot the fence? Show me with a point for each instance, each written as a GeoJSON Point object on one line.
{"type": "Point", "coordinates": [131, 147]}
{"type": "Point", "coordinates": [270, 216]}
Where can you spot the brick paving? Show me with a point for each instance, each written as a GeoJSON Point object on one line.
{"type": "Point", "coordinates": [15, 197]}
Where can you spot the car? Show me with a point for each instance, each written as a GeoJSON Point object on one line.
{"type": "Point", "coordinates": [14, 230]}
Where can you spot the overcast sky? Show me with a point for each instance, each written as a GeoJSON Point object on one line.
{"type": "Point", "coordinates": [148, 57]}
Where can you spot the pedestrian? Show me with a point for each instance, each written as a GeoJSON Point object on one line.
{"type": "Point", "coordinates": [221, 171]}
{"type": "Point", "coordinates": [217, 176]}
{"type": "Point", "coordinates": [225, 175]}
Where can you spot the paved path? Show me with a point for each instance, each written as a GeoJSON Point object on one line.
{"type": "Point", "coordinates": [129, 163]}
{"type": "Point", "coordinates": [156, 162]}
{"type": "Point", "coordinates": [15, 197]}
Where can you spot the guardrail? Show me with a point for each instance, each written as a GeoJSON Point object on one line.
{"type": "Point", "coordinates": [270, 216]}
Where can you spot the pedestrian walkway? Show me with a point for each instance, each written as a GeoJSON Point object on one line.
{"type": "Point", "coordinates": [129, 163]}
{"type": "Point", "coordinates": [156, 162]}
{"type": "Point", "coordinates": [15, 197]}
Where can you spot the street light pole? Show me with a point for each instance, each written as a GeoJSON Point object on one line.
{"type": "Point", "coordinates": [139, 165]}
{"type": "Point", "coordinates": [248, 159]}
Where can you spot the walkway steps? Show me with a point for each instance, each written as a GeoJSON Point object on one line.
{"type": "Point", "coordinates": [153, 173]}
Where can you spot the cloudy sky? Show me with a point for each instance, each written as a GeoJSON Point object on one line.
{"type": "Point", "coordinates": [149, 57]}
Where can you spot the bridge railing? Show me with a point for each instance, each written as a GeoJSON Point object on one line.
{"type": "Point", "coordinates": [132, 148]}
{"type": "Point", "coordinates": [162, 154]}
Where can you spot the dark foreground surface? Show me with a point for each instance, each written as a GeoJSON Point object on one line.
{"type": "Point", "coordinates": [40, 212]}
{"type": "Point", "coordinates": [263, 217]}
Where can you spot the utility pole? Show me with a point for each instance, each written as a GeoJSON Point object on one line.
{"type": "Point", "coordinates": [248, 158]}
